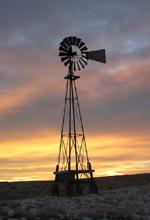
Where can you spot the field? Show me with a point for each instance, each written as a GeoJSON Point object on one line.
{"type": "Point", "coordinates": [119, 197]}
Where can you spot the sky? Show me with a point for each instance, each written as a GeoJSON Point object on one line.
{"type": "Point", "coordinates": [114, 97]}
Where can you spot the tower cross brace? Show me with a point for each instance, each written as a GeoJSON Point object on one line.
{"type": "Point", "coordinates": [73, 161]}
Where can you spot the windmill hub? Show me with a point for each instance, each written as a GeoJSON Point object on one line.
{"type": "Point", "coordinates": [71, 53]}
{"type": "Point", "coordinates": [73, 160]}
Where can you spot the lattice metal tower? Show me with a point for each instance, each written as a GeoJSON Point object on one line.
{"type": "Point", "coordinates": [73, 160]}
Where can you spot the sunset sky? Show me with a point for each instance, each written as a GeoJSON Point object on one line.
{"type": "Point", "coordinates": [114, 97]}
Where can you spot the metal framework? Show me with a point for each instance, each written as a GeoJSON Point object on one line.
{"type": "Point", "coordinates": [73, 160]}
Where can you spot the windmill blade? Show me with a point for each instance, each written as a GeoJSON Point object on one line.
{"type": "Point", "coordinates": [63, 54]}
{"type": "Point", "coordinates": [78, 41]}
{"type": "Point", "coordinates": [78, 66]}
{"type": "Point", "coordinates": [97, 55]}
{"type": "Point", "coordinates": [67, 62]}
{"type": "Point", "coordinates": [74, 40]}
{"type": "Point", "coordinates": [70, 40]}
{"type": "Point", "coordinates": [64, 45]}
{"type": "Point", "coordinates": [83, 48]}
{"type": "Point", "coordinates": [83, 61]}
{"type": "Point", "coordinates": [66, 41]}
{"type": "Point", "coordinates": [71, 37]}
{"type": "Point", "coordinates": [84, 54]}
{"type": "Point", "coordinates": [74, 66]}
{"type": "Point", "coordinates": [64, 58]}
{"type": "Point", "coordinates": [63, 49]}
{"type": "Point", "coordinates": [81, 64]}
{"type": "Point", "coordinates": [81, 44]}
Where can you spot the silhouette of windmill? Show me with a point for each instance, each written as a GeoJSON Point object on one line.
{"type": "Point", "coordinates": [73, 161]}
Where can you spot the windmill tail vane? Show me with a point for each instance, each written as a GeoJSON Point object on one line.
{"type": "Point", "coordinates": [96, 55]}
{"type": "Point", "coordinates": [73, 160]}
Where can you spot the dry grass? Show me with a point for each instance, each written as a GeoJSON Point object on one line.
{"type": "Point", "coordinates": [119, 203]}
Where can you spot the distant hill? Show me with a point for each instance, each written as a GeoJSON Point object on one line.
{"type": "Point", "coordinates": [30, 189]}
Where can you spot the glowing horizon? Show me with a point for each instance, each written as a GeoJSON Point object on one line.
{"type": "Point", "coordinates": [38, 161]}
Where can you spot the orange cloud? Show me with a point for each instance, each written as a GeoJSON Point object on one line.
{"type": "Point", "coordinates": [36, 158]}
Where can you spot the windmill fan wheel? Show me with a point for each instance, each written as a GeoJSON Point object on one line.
{"type": "Point", "coordinates": [73, 52]}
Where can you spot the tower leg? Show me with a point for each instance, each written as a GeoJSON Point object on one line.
{"type": "Point", "coordinates": [69, 189]}
{"type": "Point", "coordinates": [55, 186]}
{"type": "Point", "coordinates": [78, 188]}
{"type": "Point", "coordinates": [55, 189]}
{"type": "Point", "coordinates": [93, 187]}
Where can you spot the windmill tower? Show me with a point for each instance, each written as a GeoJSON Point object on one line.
{"type": "Point", "coordinates": [73, 161]}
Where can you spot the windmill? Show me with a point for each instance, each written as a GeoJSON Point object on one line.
{"type": "Point", "coordinates": [73, 161]}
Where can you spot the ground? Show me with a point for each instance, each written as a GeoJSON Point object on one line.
{"type": "Point", "coordinates": [130, 202]}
